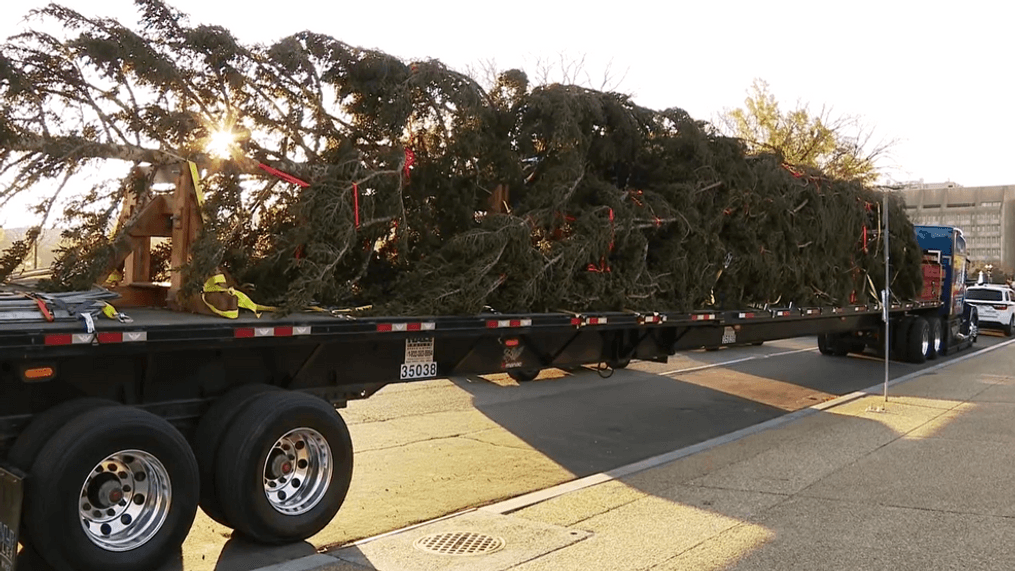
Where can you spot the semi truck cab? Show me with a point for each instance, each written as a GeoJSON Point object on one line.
{"type": "Point", "coordinates": [948, 246]}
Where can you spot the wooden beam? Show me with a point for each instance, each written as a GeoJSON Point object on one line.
{"type": "Point", "coordinates": [186, 224]}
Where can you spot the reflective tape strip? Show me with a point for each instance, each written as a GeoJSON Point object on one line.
{"type": "Point", "coordinates": [703, 317]}
{"type": "Point", "coordinates": [135, 336]}
{"type": "Point", "coordinates": [746, 316]}
{"type": "Point", "coordinates": [59, 339]}
{"type": "Point", "coordinates": [110, 337]}
{"type": "Point", "coordinates": [83, 338]}
{"type": "Point", "coordinates": [781, 313]}
{"type": "Point", "coordinates": [498, 323]}
{"type": "Point", "coordinates": [304, 330]}
{"type": "Point", "coordinates": [597, 321]}
{"type": "Point", "coordinates": [422, 326]}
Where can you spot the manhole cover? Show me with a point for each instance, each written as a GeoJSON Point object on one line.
{"type": "Point", "coordinates": [459, 543]}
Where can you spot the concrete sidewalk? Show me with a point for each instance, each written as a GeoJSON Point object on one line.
{"type": "Point", "coordinates": [922, 482]}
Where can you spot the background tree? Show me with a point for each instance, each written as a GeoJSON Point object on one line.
{"type": "Point", "coordinates": [842, 146]}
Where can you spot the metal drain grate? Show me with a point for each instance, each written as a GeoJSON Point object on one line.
{"type": "Point", "coordinates": [459, 543]}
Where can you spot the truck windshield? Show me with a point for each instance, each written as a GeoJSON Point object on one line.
{"type": "Point", "coordinates": [983, 294]}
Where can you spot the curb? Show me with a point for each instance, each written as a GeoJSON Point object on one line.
{"type": "Point", "coordinates": [321, 561]}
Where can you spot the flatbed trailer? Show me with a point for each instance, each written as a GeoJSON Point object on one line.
{"type": "Point", "coordinates": [234, 414]}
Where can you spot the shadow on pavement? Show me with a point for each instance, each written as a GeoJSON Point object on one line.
{"type": "Point", "coordinates": [29, 559]}
{"type": "Point", "coordinates": [238, 554]}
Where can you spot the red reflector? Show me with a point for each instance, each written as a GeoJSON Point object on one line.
{"type": "Point", "coordinates": [384, 327]}
{"type": "Point", "coordinates": [110, 337]}
{"type": "Point", "coordinates": [243, 332]}
{"type": "Point", "coordinates": [516, 323]}
{"type": "Point", "coordinates": [511, 343]}
{"type": "Point", "coordinates": [493, 324]}
{"type": "Point", "coordinates": [414, 326]}
{"type": "Point", "coordinates": [576, 321]}
{"type": "Point", "coordinates": [283, 332]}
{"type": "Point", "coordinates": [61, 339]}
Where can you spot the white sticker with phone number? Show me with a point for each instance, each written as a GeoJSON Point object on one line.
{"type": "Point", "coordinates": [419, 362]}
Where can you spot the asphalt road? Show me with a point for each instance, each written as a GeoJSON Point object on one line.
{"type": "Point", "coordinates": [427, 449]}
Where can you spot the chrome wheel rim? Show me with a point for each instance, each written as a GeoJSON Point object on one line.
{"type": "Point", "coordinates": [925, 344]}
{"type": "Point", "coordinates": [297, 471]}
{"type": "Point", "coordinates": [125, 500]}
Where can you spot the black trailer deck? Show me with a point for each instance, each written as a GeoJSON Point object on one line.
{"type": "Point", "coordinates": [174, 364]}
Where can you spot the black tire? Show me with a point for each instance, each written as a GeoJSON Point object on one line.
{"type": "Point", "coordinates": [44, 425]}
{"type": "Point", "coordinates": [919, 331]}
{"type": "Point", "coordinates": [523, 375]}
{"type": "Point", "coordinates": [935, 338]}
{"type": "Point", "coordinates": [823, 346]}
{"type": "Point", "coordinates": [1009, 329]}
{"type": "Point", "coordinates": [833, 345]}
{"type": "Point", "coordinates": [839, 345]}
{"type": "Point", "coordinates": [945, 334]}
{"type": "Point", "coordinates": [620, 363]}
{"type": "Point", "coordinates": [72, 455]}
{"type": "Point", "coordinates": [245, 450]}
{"type": "Point", "coordinates": [208, 437]}
{"type": "Point", "coordinates": [900, 338]}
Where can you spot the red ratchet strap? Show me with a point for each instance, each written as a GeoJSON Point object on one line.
{"type": "Point", "coordinates": [284, 176]}
{"type": "Point", "coordinates": [45, 310]}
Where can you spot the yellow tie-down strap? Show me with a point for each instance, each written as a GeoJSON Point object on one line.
{"type": "Point", "coordinates": [216, 284]}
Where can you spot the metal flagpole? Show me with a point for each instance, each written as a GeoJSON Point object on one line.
{"type": "Point", "coordinates": [886, 293]}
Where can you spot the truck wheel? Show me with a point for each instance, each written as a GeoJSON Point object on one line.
{"type": "Point", "coordinates": [44, 425]}
{"type": "Point", "coordinates": [832, 344]}
{"type": "Point", "coordinates": [115, 488]}
{"type": "Point", "coordinates": [943, 349]}
{"type": "Point", "coordinates": [823, 347]}
{"type": "Point", "coordinates": [617, 364]}
{"type": "Point", "coordinates": [284, 467]}
{"type": "Point", "coordinates": [839, 346]}
{"type": "Point", "coordinates": [917, 340]}
{"type": "Point", "coordinates": [208, 437]}
{"type": "Point", "coordinates": [935, 339]}
{"type": "Point", "coordinates": [524, 375]}
{"type": "Point", "coordinates": [900, 338]}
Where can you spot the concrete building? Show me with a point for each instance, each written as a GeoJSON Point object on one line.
{"type": "Point", "coordinates": [986, 215]}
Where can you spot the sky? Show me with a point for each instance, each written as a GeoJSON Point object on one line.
{"type": "Point", "coordinates": [938, 78]}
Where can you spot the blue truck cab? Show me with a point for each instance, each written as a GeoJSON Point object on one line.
{"type": "Point", "coordinates": [948, 245]}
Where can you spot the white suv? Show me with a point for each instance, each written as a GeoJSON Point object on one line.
{"type": "Point", "coordinates": [995, 305]}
